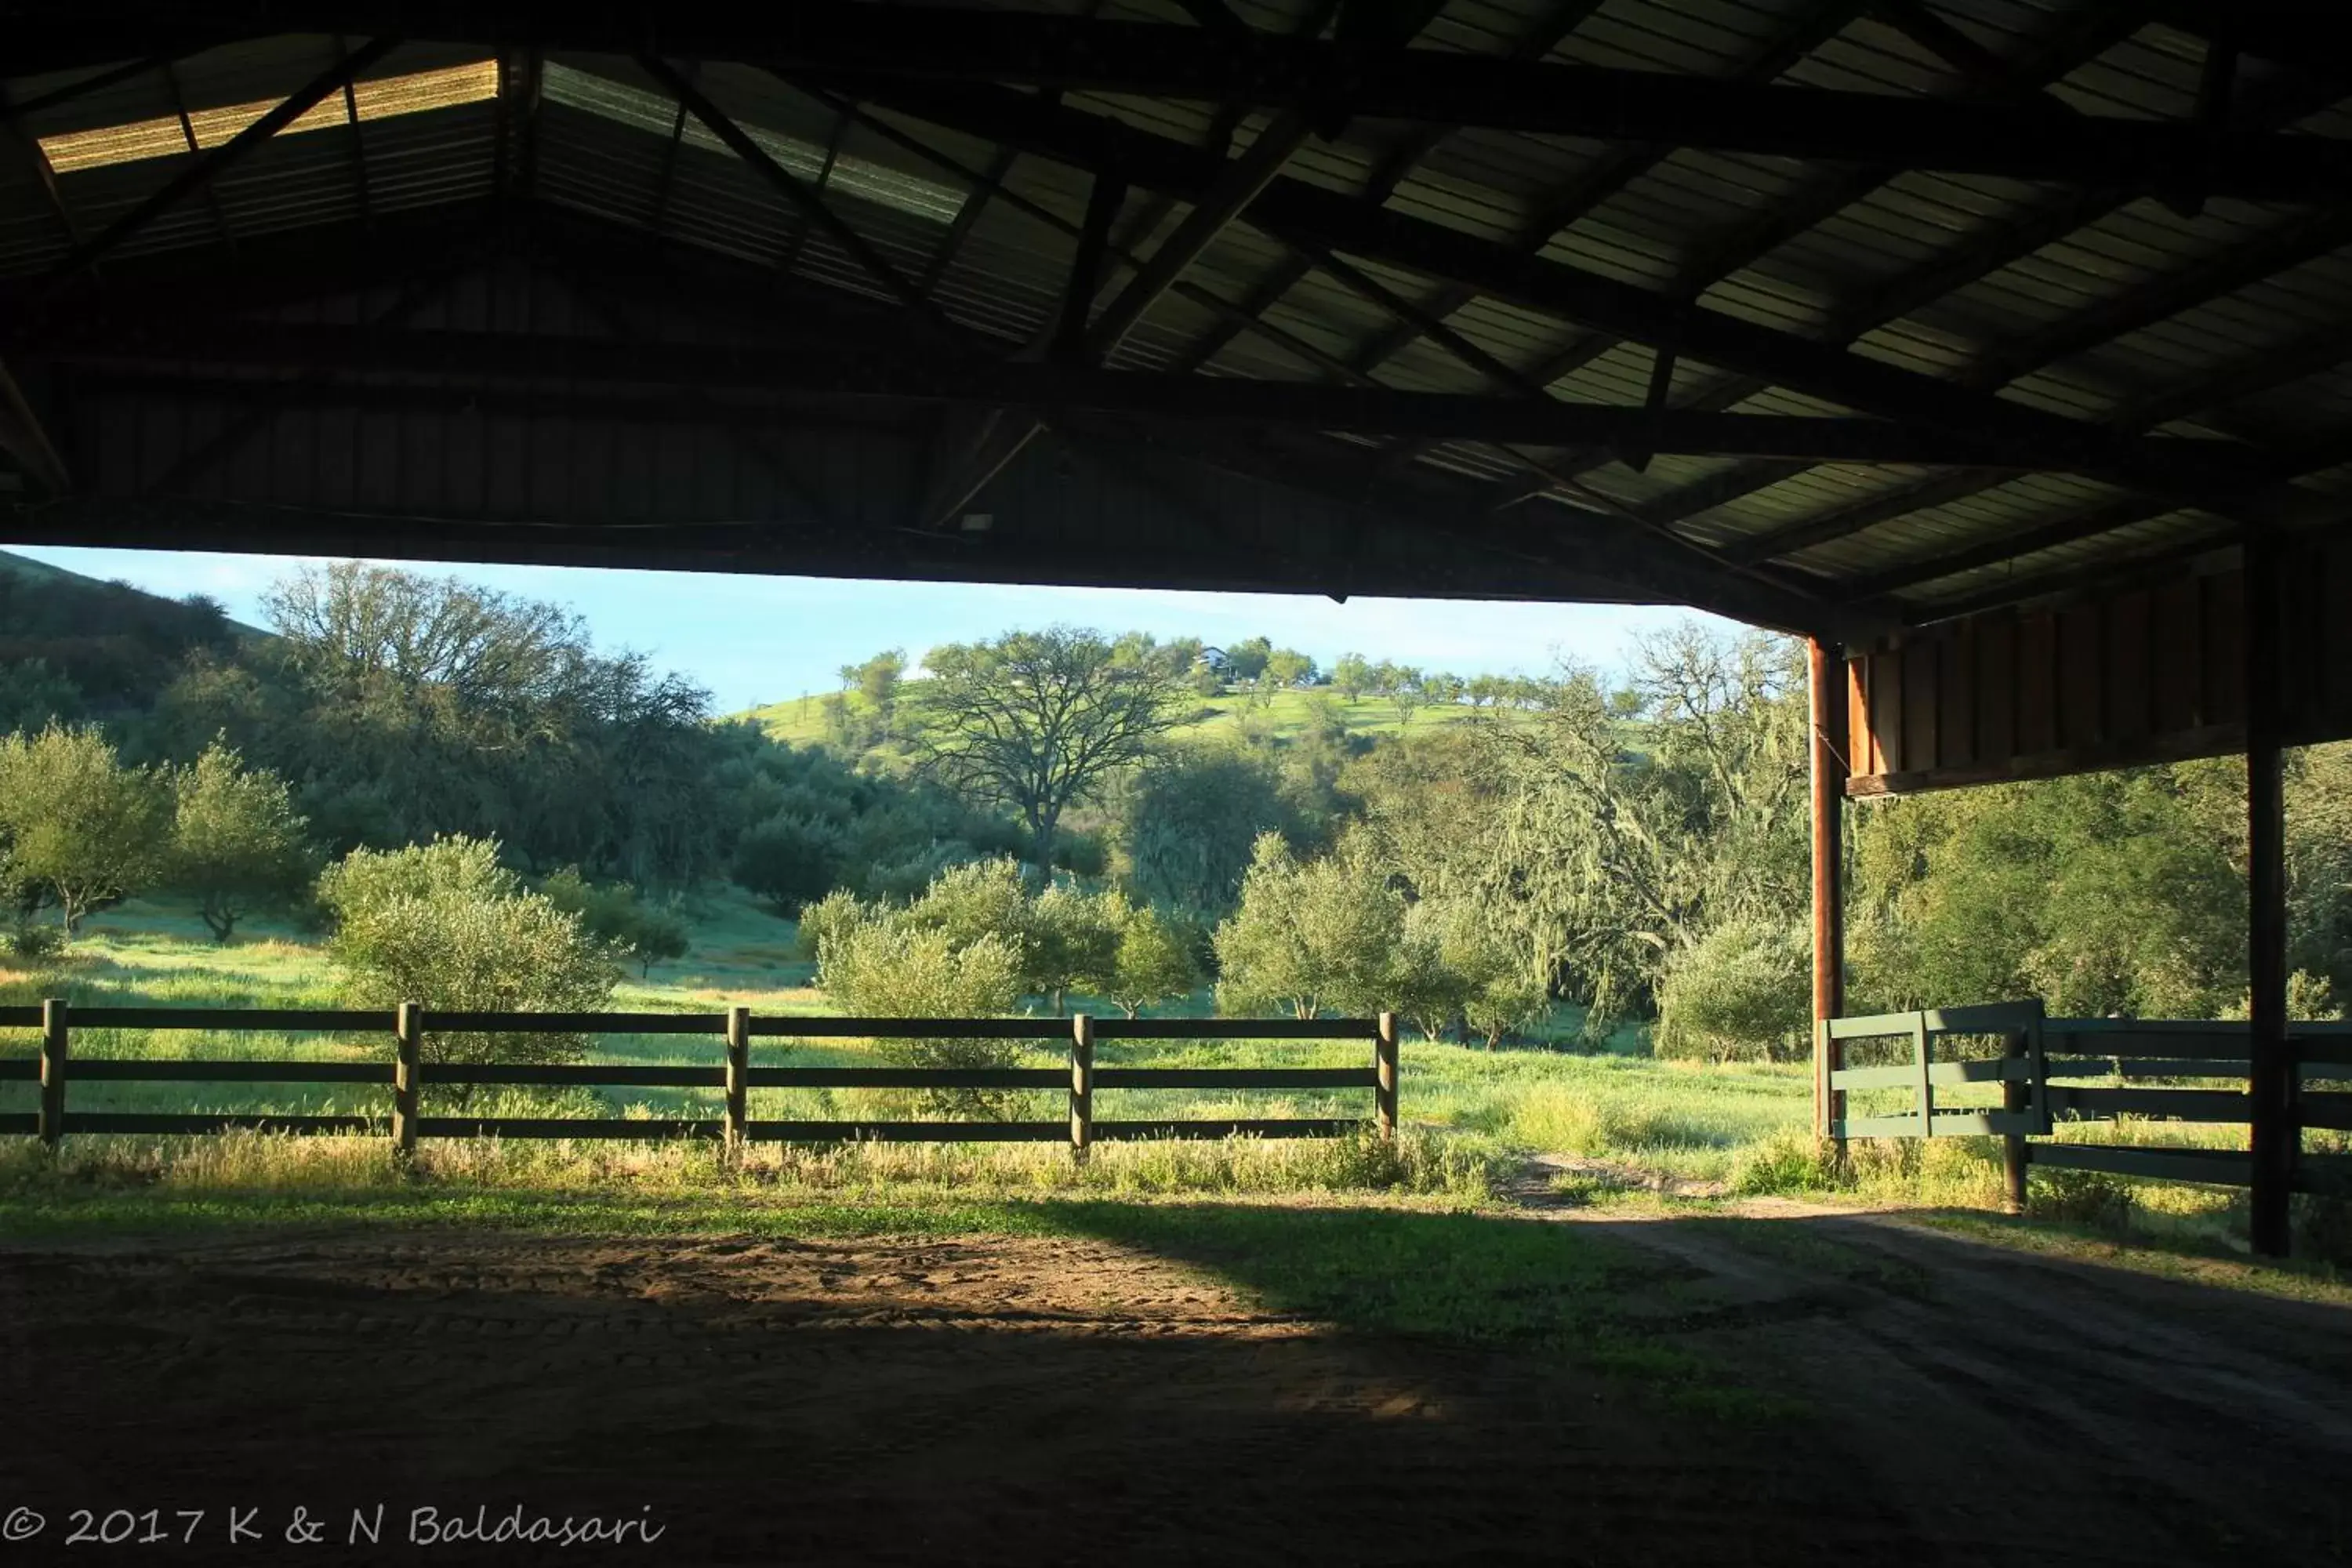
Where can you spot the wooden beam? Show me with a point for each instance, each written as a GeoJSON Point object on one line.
{"type": "Point", "coordinates": [1618, 167]}
{"type": "Point", "coordinates": [1996, 246]}
{"type": "Point", "coordinates": [1243, 180]}
{"type": "Point", "coordinates": [976, 199]}
{"type": "Point", "coordinates": [21, 432]}
{"type": "Point", "coordinates": [1297, 211]}
{"type": "Point", "coordinates": [666, 180]}
{"type": "Point", "coordinates": [359, 147]}
{"type": "Point", "coordinates": [815, 361]}
{"type": "Point", "coordinates": [1825, 686]}
{"type": "Point", "coordinates": [841, 125]}
{"type": "Point", "coordinates": [227, 235]}
{"type": "Point", "coordinates": [790, 186]}
{"type": "Point", "coordinates": [201, 174]}
{"type": "Point", "coordinates": [2275, 1138]}
{"type": "Point", "coordinates": [1035, 50]}
{"type": "Point", "coordinates": [1103, 203]}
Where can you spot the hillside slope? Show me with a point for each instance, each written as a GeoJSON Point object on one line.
{"type": "Point", "coordinates": [76, 647]}
{"type": "Point", "coordinates": [44, 579]}
{"type": "Point", "coordinates": [801, 719]}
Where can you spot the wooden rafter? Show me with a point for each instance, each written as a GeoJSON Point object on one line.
{"type": "Point", "coordinates": [1616, 169]}
{"type": "Point", "coordinates": [2001, 247]}
{"type": "Point", "coordinates": [1555, 25]}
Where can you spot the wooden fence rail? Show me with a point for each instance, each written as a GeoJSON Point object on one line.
{"type": "Point", "coordinates": [2039, 1053]}
{"type": "Point", "coordinates": [407, 1074]}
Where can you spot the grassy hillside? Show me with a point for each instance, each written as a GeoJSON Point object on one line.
{"type": "Point", "coordinates": [40, 577]}
{"type": "Point", "coordinates": [801, 719]}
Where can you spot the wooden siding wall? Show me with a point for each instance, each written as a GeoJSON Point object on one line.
{"type": "Point", "coordinates": [2142, 672]}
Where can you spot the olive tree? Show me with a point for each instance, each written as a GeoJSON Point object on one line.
{"type": "Point", "coordinates": [446, 924]}
{"type": "Point", "coordinates": [1154, 963]}
{"type": "Point", "coordinates": [1074, 943]}
{"type": "Point", "coordinates": [237, 845]}
{"type": "Point", "coordinates": [83, 830]}
{"type": "Point", "coordinates": [885, 968]}
{"type": "Point", "coordinates": [1744, 989]}
{"type": "Point", "coordinates": [1312, 938]}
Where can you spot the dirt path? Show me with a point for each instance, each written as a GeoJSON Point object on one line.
{"type": "Point", "coordinates": [999, 1399]}
{"type": "Point", "coordinates": [2013, 1407]}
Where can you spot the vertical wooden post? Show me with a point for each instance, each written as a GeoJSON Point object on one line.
{"type": "Point", "coordinates": [53, 1047]}
{"type": "Point", "coordinates": [1384, 1074]}
{"type": "Point", "coordinates": [1825, 684]}
{"type": "Point", "coordinates": [2275, 1136]}
{"type": "Point", "coordinates": [738, 1067]}
{"type": "Point", "coordinates": [1921, 1057]}
{"type": "Point", "coordinates": [2013, 1098]}
{"type": "Point", "coordinates": [1082, 1086]}
{"type": "Point", "coordinates": [408, 1051]}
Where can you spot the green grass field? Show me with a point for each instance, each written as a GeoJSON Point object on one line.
{"type": "Point", "coordinates": [801, 719]}
{"type": "Point", "coordinates": [1469, 1112]}
{"type": "Point", "coordinates": [1613, 1120]}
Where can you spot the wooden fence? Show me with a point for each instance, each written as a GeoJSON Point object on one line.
{"type": "Point", "coordinates": [407, 1074]}
{"type": "Point", "coordinates": [2178, 1064]}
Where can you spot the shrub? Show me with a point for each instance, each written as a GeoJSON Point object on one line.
{"type": "Point", "coordinates": [236, 844]}
{"type": "Point", "coordinates": [613, 914]}
{"type": "Point", "coordinates": [36, 944]}
{"type": "Point", "coordinates": [789, 860]}
{"type": "Point", "coordinates": [1741, 990]}
{"type": "Point", "coordinates": [1082, 854]}
{"type": "Point", "coordinates": [444, 924]}
{"type": "Point", "coordinates": [891, 969]}
{"type": "Point", "coordinates": [2088, 1197]}
{"type": "Point", "coordinates": [980, 898]}
{"type": "Point", "coordinates": [838, 911]}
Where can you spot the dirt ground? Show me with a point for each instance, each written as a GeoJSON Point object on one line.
{"type": "Point", "coordinates": [1001, 1400]}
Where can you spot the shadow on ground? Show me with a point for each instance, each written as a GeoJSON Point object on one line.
{"type": "Point", "coordinates": [1216, 1384]}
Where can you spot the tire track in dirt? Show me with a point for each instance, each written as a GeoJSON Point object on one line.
{"type": "Point", "coordinates": [2020, 1406]}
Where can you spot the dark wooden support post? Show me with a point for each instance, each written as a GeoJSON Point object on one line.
{"type": "Point", "coordinates": [1825, 670]}
{"type": "Point", "coordinates": [53, 1045]}
{"type": "Point", "coordinates": [1082, 1086]}
{"type": "Point", "coordinates": [1384, 1073]}
{"type": "Point", "coordinates": [739, 1070]}
{"type": "Point", "coordinates": [408, 1052]}
{"type": "Point", "coordinates": [2015, 1094]}
{"type": "Point", "coordinates": [2275, 1136]}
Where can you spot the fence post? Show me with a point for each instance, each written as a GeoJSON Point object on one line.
{"type": "Point", "coordinates": [54, 1041]}
{"type": "Point", "coordinates": [1384, 1074]}
{"type": "Point", "coordinates": [408, 1051]}
{"type": "Point", "coordinates": [1082, 1086]}
{"type": "Point", "coordinates": [2014, 1095]}
{"type": "Point", "coordinates": [738, 1067]}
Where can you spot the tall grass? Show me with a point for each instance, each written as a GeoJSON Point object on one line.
{"type": "Point", "coordinates": [1471, 1115]}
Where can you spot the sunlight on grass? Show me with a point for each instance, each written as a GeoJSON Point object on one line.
{"type": "Point", "coordinates": [1471, 1115]}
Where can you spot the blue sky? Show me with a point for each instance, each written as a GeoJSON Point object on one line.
{"type": "Point", "coordinates": [765, 639]}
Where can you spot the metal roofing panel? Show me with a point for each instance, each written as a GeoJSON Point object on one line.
{"type": "Point", "coordinates": [610, 144]}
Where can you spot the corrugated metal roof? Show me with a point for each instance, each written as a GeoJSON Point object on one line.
{"type": "Point", "coordinates": [611, 144]}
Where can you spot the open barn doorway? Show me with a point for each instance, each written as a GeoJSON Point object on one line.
{"type": "Point", "coordinates": [1987, 359]}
